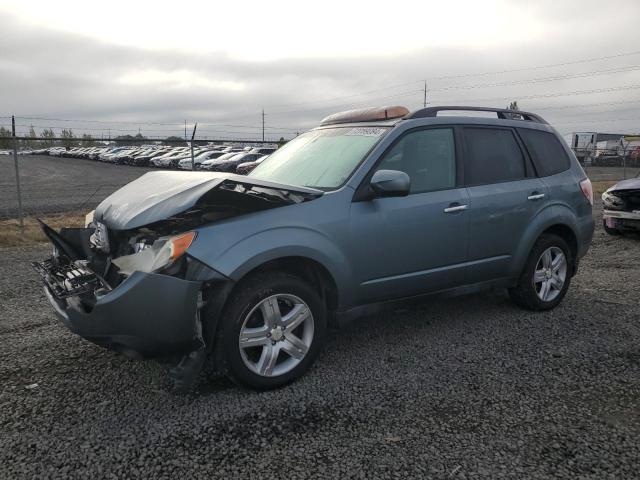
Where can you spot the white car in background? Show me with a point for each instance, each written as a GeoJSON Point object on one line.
{"type": "Point", "coordinates": [185, 164]}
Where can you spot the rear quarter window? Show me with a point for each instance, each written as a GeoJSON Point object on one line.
{"type": "Point", "coordinates": [546, 151]}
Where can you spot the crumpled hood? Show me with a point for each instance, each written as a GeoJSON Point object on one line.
{"type": "Point", "coordinates": [157, 196]}
{"type": "Point", "coordinates": [630, 184]}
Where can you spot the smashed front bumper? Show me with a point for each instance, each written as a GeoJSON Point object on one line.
{"type": "Point", "coordinates": [147, 315]}
{"type": "Point", "coordinates": [622, 220]}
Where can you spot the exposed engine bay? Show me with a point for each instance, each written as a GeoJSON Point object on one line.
{"type": "Point", "coordinates": [128, 232]}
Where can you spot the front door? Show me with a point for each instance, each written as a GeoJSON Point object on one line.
{"type": "Point", "coordinates": [415, 244]}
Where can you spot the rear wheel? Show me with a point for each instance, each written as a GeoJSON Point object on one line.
{"type": "Point", "coordinates": [546, 276]}
{"type": "Point", "coordinates": [272, 330]}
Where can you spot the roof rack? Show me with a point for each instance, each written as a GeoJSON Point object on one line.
{"type": "Point", "coordinates": [502, 113]}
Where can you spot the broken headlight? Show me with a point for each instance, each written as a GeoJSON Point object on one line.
{"type": "Point", "coordinates": [99, 239]}
{"type": "Point", "coordinates": [88, 219]}
{"type": "Point", "coordinates": [160, 254]}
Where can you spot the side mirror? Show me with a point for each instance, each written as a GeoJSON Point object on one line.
{"type": "Point", "coordinates": [390, 183]}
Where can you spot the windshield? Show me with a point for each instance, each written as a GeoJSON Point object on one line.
{"type": "Point", "coordinates": [321, 159]}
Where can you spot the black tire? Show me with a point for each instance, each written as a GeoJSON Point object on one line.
{"type": "Point", "coordinates": [247, 295]}
{"type": "Point", "coordinates": [524, 294]}
{"type": "Point", "coordinates": [609, 230]}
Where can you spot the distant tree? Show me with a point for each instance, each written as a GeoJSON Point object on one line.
{"type": "Point", "coordinates": [281, 142]}
{"type": "Point", "coordinates": [67, 138]}
{"type": "Point", "coordinates": [174, 141]}
{"type": "Point", "coordinates": [5, 139]}
{"type": "Point", "coordinates": [129, 139]}
{"type": "Point", "coordinates": [513, 105]}
{"type": "Point", "coordinates": [123, 139]}
{"type": "Point", "coordinates": [48, 136]}
{"type": "Point", "coordinates": [87, 140]}
{"type": "Point", "coordinates": [32, 143]}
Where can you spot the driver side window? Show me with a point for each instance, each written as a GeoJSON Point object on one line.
{"type": "Point", "coordinates": [427, 156]}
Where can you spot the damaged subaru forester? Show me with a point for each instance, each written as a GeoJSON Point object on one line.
{"type": "Point", "coordinates": [372, 206]}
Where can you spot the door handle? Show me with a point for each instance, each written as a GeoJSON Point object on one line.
{"type": "Point", "coordinates": [535, 196]}
{"type": "Point", "coordinates": [455, 208]}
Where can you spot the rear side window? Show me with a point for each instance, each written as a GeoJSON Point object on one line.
{"type": "Point", "coordinates": [492, 156]}
{"type": "Point", "coordinates": [546, 151]}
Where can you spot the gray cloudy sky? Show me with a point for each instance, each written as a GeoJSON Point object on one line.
{"type": "Point", "coordinates": [144, 63]}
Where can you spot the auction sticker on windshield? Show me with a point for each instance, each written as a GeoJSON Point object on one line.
{"type": "Point", "coordinates": [366, 131]}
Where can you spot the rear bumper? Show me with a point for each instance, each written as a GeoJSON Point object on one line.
{"type": "Point", "coordinates": [147, 315]}
{"type": "Point", "coordinates": [585, 231]}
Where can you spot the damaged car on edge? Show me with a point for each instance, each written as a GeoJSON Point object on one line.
{"type": "Point", "coordinates": [373, 205]}
{"type": "Point", "coordinates": [621, 207]}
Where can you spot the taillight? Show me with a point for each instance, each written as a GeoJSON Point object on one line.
{"type": "Point", "coordinates": [587, 189]}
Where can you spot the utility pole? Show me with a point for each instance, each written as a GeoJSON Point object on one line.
{"type": "Point", "coordinates": [185, 129]}
{"type": "Point", "coordinates": [263, 124]}
{"type": "Point", "coordinates": [15, 161]}
{"type": "Point", "coordinates": [193, 135]}
{"type": "Point", "coordinates": [425, 94]}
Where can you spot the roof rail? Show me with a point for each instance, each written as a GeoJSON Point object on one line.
{"type": "Point", "coordinates": [502, 113]}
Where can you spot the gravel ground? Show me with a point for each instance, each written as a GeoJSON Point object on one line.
{"type": "Point", "coordinates": [470, 387]}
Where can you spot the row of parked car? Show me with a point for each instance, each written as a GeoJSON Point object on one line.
{"type": "Point", "coordinates": [219, 158]}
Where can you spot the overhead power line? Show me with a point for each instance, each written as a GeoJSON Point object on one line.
{"type": "Point", "coordinates": [463, 75]}
{"type": "Point", "coordinates": [384, 93]}
{"type": "Point", "coordinates": [547, 95]}
{"type": "Point", "coordinates": [540, 79]}
{"type": "Point", "coordinates": [115, 122]}
{"type": "Point", "coordinates": [580, 105]}
{"type": "Point", "coordinates": [110, 122]}
{"type": "Point", "coordinates": [599, 121]}
{"type": "Point", "coordinates": [598, 112]}
{"type": "Point", "coordinates": [538, 67]}
{"type": "Point", "coordinates": [392, 96]}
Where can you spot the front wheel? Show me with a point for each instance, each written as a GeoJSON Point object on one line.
{"type": "Point", "coordinates": [546, 275]}
{"type": "Point", "coordinates": [272, 330]}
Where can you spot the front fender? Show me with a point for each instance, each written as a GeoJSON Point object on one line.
{"type": "Point", "coordinates": [252, 251]}
{"type": "Point", "coordinates": [554, 214]}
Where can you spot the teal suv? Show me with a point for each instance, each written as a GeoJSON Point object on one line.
{"type": "Point", "coordinates": [371, 206]}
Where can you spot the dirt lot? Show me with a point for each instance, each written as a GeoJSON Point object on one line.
{"type": "Point", "coordinates": [600, 174]}
{"type": "Point", "coordinates": [470, 387]}
{"type": "Point", "coordinates": [56, 184]}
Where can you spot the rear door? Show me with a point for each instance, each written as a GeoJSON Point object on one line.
{"type": "Point", "coordinates": [504, 195]}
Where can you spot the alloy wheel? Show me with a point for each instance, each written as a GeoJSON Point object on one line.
{"type": "Point", "coordinates": [550, 274]}
{"type": "Point", "coordinates": [276, 335]}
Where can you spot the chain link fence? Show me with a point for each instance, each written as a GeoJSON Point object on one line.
{"type": "Point", "coordinates": [53, 181]}
{"type": "Point", "coordinates": [55, 175]}
{"type": "Point", "coordinates": [610, 164]}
